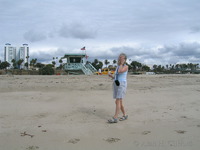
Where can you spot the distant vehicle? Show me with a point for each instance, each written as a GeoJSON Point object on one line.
{"type": "Point", "coordinates": [106, 71]}
{"type": "Point", "coordinates": [150, 73]}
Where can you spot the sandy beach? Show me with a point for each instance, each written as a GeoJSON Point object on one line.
{"type": "Point", "coordinates": [71, 112]}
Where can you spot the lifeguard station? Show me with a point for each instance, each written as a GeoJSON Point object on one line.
{"type": "Point", "coordinates": [76, 64]}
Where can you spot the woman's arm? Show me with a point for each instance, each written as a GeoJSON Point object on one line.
{"type": "Point", "coordinates": [122, 68]}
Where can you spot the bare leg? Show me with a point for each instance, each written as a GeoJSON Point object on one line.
{"type": "Point", "coordinates": [118, 107]}
{"type": "Point", "coordinates": [122, 108]}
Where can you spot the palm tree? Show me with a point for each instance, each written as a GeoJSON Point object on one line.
{"type": "Point", "coordinates": [106, 62]}
{"type": "Point", "coordinates": [33, 62]}
{"type": "Point", "coordinates": [177, 66]}
{"type": "Point", "coordinates": [97, 64]}
{"type": "Point", "coordinates": [54, 60]}
{"type": "Point", "coordinates": [19, 62]}
{"type": "Point", "coordinates": [26, 64]}
{"type": "Point", "coordinates": [155, 67]}
{"type": "Point", "coordinates": [167, 66]}
{"type": "Point", "coordinates": [14, 63]}
{"type": "Point", "coordinates": [114, 62]}
{"type": "Point", "coordinates": [60, 61]}
{"type": "Point", "coordinates": [53, 63]}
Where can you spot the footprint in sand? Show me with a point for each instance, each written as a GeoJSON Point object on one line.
{"type": "Point", "coordinates": [112, 140]}
{"type": "Point", "coordinates": [26, 134]}
{"type": "Point", "coordinates": [146, 132]}
{"type": "Point", "coordinates": [32, 148]}
{"type": "Point", "coordinates": [44, 130]}
{"type": "Point", "coordinates": [73, 141]}
{"type": "Point", "coordinates": [183, 116]}
{"type": "Point", "coordinates": [41, 115]}
{"type": "Point", "coordinates": [180, 131]}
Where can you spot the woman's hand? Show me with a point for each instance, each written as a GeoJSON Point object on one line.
{"type": "Point", "coordinates": [110, 75]}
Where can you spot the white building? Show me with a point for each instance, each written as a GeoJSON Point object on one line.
{"type": "Point", "coordinates": [16, 53]}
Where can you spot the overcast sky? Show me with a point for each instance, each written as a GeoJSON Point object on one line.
{"type": "Point", "coordinates": [148, 31]}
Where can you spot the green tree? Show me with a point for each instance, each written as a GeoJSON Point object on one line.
{"type": "Point", "coordinates": [167, 66]}
{"type": "Point", "coordinates": [100, 65]}
{"type": "Point", "coordinates": [136, 65]}
{"type": "Point", "coordinates": [19, 62]}
{"type": "Point", "coordinates": [39, 65]}
{"type": "Point", "coordinates": [183, 66]}
{"type": "Point", "coordinates": [33, 62]}
{"type": "Point", "coordinates": [177, 66]}
{"type": "Point", "coordinates": [114, 62]}
{"type": "Point", "coordinates": [106, 62]}
{"type": "Point", "coordinates": [26, 64]}
{"type": "Point", "coordinates": [47, 70]}
{"type": "Point", "coordinates": [14, 64]}
{"type": "Point", "coordinates": [155, 67]}
{"type": "Point", "coordinates": [97, 64]}
{"type": "Point", "coordinates": [4, 65]}
{"type": "Point", "coordinates": [53, 63]}
{"type": "Point", "coordinates": [61, 63]}
{"type": "Point", "coordinates": [145, 68]}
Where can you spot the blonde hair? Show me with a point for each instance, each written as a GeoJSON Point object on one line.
{"type": "Point", "coordinates": [122, 54]}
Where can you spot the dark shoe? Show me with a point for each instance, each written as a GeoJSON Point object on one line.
{"type": "Point", "coordinates": [113, 120]}
{"type": "Point", "coordinates": [123, 118]}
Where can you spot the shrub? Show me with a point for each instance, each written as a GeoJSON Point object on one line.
{"type": "Point", "coordinates": [47, 70]}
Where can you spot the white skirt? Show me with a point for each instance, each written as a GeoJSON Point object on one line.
{"type": "Point", "coordinates": [119, 91]}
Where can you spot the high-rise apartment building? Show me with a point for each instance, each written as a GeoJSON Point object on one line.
{"type": "Point", "coordinates": [16, 53]}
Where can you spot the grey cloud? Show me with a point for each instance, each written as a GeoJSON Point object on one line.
{"type": "Point", "coordinates": [34, 36]}
{"type": "Point", "coordinates": [41, 57]}
{"type": "Point", "coordinates": [138, 53]}
{"type": "Point", "coordinates": [183, 49]}
{"type": "Point", "coordinates": [77, 30]}
{"type": "Point", "coordinates": [195, 29]}
{"type": "Point", "coordinates": [168, 54]}
{"type": "Point", "coordinates": [46, 56]}
{"type": "Point", "coordinates": [182, 52]}
{"type": "Point", "coordinates": [188, 49]}
{"type": "Point", "coordinates": [152, 22]}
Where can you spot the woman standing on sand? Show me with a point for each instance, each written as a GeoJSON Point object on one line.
{"type": "Point", "coordinates": [119, 89]}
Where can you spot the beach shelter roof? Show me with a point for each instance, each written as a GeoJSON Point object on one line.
{"type": "Point", "coordinates": [72, 55]}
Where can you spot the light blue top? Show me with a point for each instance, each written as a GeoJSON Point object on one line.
{"type": "Point", "coordinates": [120, 76]}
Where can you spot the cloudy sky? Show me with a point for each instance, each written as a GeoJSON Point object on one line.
{"type": "Point", "coordinates": [148, 31]}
